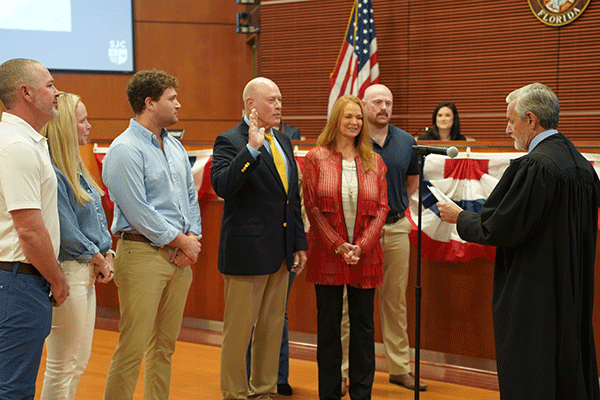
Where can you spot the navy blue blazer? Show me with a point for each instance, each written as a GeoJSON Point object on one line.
{"type": "Point", "coordinates": [261, 225]}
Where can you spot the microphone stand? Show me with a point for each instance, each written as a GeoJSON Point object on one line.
{"type": "Point", "coordinates": [426, 129]}
{"type": "Point", "coordinates": [421, 158]}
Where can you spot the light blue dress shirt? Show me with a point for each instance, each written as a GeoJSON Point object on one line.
{"type": "Point", "coordinates": [536, 140]}
{"type": "Point", "coordinates": [153, 190]}
{"type": "Point", "coordinates": [83, 228]}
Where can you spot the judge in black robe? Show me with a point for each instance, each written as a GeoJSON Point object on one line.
{"type": "Point", "coordinates": [543, 217]}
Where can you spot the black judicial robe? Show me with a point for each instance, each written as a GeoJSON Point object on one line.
{"type": "Point", "coordinates": [543, 218]}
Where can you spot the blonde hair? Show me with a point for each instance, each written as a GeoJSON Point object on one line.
{"type": "Point", "coordinates": [362, 142]}
{"type": "Point", "coordinates": [63, 142]}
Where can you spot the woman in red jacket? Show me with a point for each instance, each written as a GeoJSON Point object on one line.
{"type": "Point", "coordinates": [346, 203]}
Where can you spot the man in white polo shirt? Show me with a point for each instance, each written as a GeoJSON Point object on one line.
{"type": "Point", "coordinates": [31, 280]}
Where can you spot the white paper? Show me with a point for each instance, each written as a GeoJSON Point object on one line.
{"type": "Point", "coordinates": [439, 195]}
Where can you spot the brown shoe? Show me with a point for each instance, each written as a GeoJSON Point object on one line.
{"type": "Point", "coordinates": [344, 387]}
{"type": "Point", "coordinates": [408, 381]}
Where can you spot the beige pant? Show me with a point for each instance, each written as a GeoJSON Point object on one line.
{"type": "Point", "coordinates": [392, 295]}
{"type": "Point", "coordinates": [259, 301]}
{"type": "Point", "coordinates": [152, 296]}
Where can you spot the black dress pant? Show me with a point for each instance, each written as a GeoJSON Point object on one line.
{"type": "Point", "coordinates": [361, 353]}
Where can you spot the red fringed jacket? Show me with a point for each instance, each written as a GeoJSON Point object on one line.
{"type": "Point", "coordinates": [323, 202]}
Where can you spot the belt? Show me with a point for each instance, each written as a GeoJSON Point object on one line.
{"type": "Point", "coordinates": [135, 237]}
{"type": "Point", "coordinates": [393, 218]}
{"type": "Point", "coordinates": [23, 268]}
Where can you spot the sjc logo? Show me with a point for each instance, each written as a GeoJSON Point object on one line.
{"type": "Point", "coordinates": [117, 52]}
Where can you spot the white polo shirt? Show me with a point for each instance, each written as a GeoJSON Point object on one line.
{"type": "Point", "coordinates": [27, 181]}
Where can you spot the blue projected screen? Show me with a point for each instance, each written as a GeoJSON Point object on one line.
{"type": "Point", "coordinates": [69, 35]}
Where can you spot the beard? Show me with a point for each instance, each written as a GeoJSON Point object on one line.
{"type": "Point", "coordinates": [380, 122]}
{"type": "Point", "coordinates": [51, 110]}
{"type": "Point", "coordinates": [518, 144]}
{"type": "Point", "coordinates": [172, 121]}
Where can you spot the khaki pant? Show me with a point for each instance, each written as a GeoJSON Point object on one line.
{"type": "Point", "coordinates": [392, 295]}
{"type": "Point", "coordinates": [152, 296]}
{"type": "Point", "coordinates": [259, 301]}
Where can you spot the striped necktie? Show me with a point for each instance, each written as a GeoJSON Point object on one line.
{"type": "Point", "coordinates": [278, 159]}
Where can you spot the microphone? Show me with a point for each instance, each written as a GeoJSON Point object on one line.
{"type": "Point", "coordinates": [445, 151]}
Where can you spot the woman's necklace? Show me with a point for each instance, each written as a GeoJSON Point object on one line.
{"type": "Point", "coordinates": [345, 172]}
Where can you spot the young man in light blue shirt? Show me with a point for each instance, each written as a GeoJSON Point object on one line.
{"type": "Point", "coordinates": [148, 175]}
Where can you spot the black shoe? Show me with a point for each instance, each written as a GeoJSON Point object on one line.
{"type": "Point", "coordinates": [284, 389]}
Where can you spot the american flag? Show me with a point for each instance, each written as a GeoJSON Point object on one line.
{"type": "Point", "coordinates": [356, 67]}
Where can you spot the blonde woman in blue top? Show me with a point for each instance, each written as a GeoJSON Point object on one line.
{"type": "Point", "coordinates": [85, 250]}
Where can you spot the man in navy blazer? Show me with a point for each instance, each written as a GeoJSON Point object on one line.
{"type": "Point", "coordinates": [262, 239]}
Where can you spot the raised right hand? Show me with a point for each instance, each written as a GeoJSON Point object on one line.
{"type": "Point", "coordinates": [256, 136]}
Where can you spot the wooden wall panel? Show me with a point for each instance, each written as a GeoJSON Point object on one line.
{"type": "Point", "coordinates": [103, 94]}
{"type": "Point", "coordinates": [211, 81]}
{"type": "Point", "coordinates": [578, 83]}
{"type": "Point", "coordinates": [456, 307]}
{"type": "Point", "coordinates": [471, 52]}
{"type": "Point", "coordinates": [195, 11]}
{"type": "Point", "coordinates": [205, 298]}
{"type": "Point", "coordinates": [201, 131]}
{"type": "Point", "coordinates": [465, 54]}
{"type": "Point", "coordinates": [298, 45]}
{"type": "Point", "coordinates": [103, 131]}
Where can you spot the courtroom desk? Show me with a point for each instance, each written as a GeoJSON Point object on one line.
{"type": "Point", "coordinates": [456, 318]}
